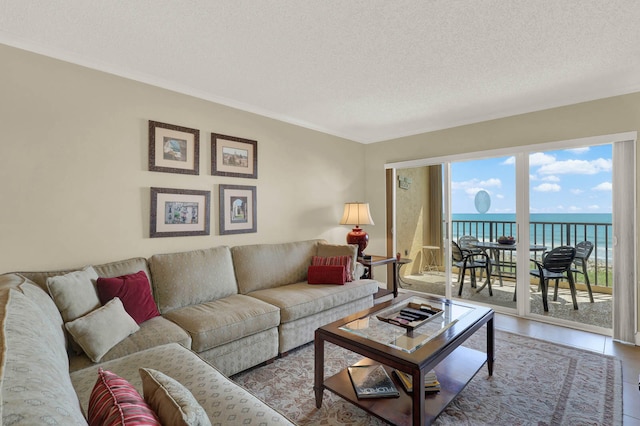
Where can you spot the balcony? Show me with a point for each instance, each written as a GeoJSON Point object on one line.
{"type": "Point", "coordinates": [549, 234]}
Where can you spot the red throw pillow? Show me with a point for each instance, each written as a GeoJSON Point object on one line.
{"type": "Point", "coordinates": [332, 261]}
{"type": "Point", "coordinates": [114, 401]}
{"type": "Point", "coordinates": [334, 274]}
{"type": "Point", "coordinates": [134, 292]}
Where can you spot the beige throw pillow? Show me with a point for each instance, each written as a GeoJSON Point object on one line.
{"type": "Point", "coordinates": [75, 293]}
{"type": "Point", "coordinates": [100, 330]}
{"type": "Point", "coordinates": [170, 400]}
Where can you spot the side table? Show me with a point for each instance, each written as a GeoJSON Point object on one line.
{"type": "Point", "coordinates": [370, 262]}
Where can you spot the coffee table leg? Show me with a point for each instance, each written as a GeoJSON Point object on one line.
{"type": "Point", "coordinates": [490, 345]}
{"type": "Point", "coordinates": [318, 386]}
{"type": "Point", "coordinates": [418, 397]}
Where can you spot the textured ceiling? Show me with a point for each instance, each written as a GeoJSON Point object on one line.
{"type": "Point", "coordinates": [366, 70]}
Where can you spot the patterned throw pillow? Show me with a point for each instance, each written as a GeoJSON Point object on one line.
{"type": "Point", "coordinates": [114, 401]}
{"type": "Point", "coordinates": [134, 292]}
{"type": "Point", "coordinates": [100, 330]}
{"type": "Point", "coordinates": [333, 260]}
{"type": "Point", "coordinates": [74, 293]}
{"type": "Point", "coordinates": [173, 403]}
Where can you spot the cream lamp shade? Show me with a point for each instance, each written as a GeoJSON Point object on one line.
{"type": "Point", "coordinates": [357, 214]}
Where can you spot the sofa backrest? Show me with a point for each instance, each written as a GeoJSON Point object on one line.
{"type": "Point", "coordinates": [106, 270]}
{"type": "Point", "coordinates": [261, 266]}
{"type": "Point", "coordinates": [36, 387]}
{"type": "Point", "coordinates": [192, 277]}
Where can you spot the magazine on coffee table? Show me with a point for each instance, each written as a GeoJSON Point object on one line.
{"type": "Point", "coordinates": [372, 381]}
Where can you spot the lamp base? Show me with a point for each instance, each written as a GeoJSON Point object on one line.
{"type": "Point", "coordinates": [360, 238]}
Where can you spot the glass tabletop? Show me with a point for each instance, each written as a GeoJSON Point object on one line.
{"type": "Point", "coordinates": [408, 339]}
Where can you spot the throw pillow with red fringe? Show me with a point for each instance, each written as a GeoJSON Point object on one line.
{"type": "Point", "coordinates": [114, 401]}
{"type": "Point", "coordinates": [333, 274]}
{"type": "Point", "coordinates": [333, 261]}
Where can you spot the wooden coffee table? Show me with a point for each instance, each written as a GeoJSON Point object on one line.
{"type": "Point", "coordinates": [434, 345]}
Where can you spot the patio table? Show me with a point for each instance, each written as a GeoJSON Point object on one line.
{"type": "Point", "coordinates": [496, 249]}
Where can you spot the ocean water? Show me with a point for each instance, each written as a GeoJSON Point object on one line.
{"type": "Point", "coordinates": [548, 229]}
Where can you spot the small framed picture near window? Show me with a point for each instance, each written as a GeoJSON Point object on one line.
{"type": "Point", "coordinates": [173, 149]}
{"type": "Point", "coordinates": [237, 209]}
{"type": "Point", "coordinates": [234, 157]}
{"type": "Point", "coordinates": [179, 212]}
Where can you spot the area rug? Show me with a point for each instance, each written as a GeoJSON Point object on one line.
{"type": "Point", "coordinates": [534, 383]}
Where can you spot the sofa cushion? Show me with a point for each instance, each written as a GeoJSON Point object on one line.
{"type": "Point", "coordinates": [301, 299]}
{"type": "Point", "coordinates": [193, 277]}
{"type": "Point", "coordinates": [35, 367]}
{"type": "Point", "coordinates": [219, 396]}
{"type": "Point", "coordinates": [172, 402]}
{"type": "Point", "coordinates": [262, 266]}
{"type": "Point", "coordinates": [331, 250]}
{"type": "Point", "coordinates": [114, 402]}
{"type": "Point", "coordinates": [154, 332]}
{"type": "Point", "coordinates": [134, 291]}
{"type": "Point", "coordinates": [102, 329]}
{"type": "Point", "coordinates": [215, 323]}
{"type": "Point", "coordinates": [75, 293]}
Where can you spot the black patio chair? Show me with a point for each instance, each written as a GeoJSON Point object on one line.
{"type": "Point", "coordinates": [467, 260]}
{"type": "Point", "coordinates": [555, 265]}
{"type": "Point", "coordinates": [467, 242]}
{"type": "Point", "coordinates": [583, 251]}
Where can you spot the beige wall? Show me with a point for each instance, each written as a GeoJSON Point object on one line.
{"type": "Point", "coordinates": [74, 179]}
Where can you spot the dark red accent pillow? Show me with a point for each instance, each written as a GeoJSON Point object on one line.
{"type": "Point", "coordinates": [134, 292]}
{"type": "Point", "coordinates": [327, 274]}
{"type": "Point", "coordinates": [334, 260]}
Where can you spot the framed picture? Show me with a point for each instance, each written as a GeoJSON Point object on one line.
{"type": "Point", "coordinates": [237, 209]}
{"type": "Point", "coordinates": [179, 212]}
{"type": "Point", "coordinates": [173, 149]}
{"type": "Point", "coordinates": [234, 157]}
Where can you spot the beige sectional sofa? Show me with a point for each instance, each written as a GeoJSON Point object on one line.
{"type": "Point", "coordinates": [223, 310]}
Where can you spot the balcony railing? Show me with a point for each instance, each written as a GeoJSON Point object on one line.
{"type": "Point", "coordinates": [552, 234]}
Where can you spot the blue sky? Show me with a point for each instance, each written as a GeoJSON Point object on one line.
{"type": "Point", "coordinates": [564, 181]}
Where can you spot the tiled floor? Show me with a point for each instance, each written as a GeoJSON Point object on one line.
{"type": "Point", "coordinates": [630, 355]}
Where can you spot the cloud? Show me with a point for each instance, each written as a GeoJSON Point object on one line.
{"type": "Point", "coordinates": [551, 178]}
{"type": "Point", "coordinates": [547, 187]}
{"type": "Point", "coordinates": [577, 191]}
{"type": "Point", "coordinates": [540, 159]}
{"type": "Point", "coordinates": [575, 208]}
{"type": "Point", "coordinates": [581, 150]}
{"type": "Point", "coordinates": [593, 207]}
{"type": "Point", "coordinates": [576, 167]}
{"type": "Point", "coordinates": [509, 161]}
{"type": "Point", "coordinates": [476, 184]}
{"type": "Point", "coordinates": [604, 186]}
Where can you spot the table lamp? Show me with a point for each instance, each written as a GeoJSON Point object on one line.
{"type": "Point", "coordinates": [357, 214]}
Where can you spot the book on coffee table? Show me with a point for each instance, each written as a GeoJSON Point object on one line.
{"type": "Point", "coordinates": [431, 383]}
{"type": "Point", "coordinates": [372, 381]}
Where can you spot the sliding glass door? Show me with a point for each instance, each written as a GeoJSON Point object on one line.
{"type": "Point", "coordinates": [483, 227]}
{"type": "Point", "coordinates": [570, 205]}
{"type": "Point", "coordinates": [543, 197]}
{"type": "Point", "coordinates": [419, 228]}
